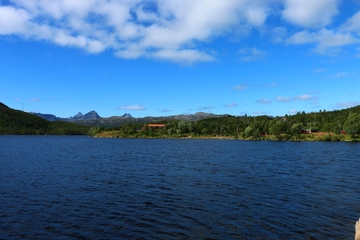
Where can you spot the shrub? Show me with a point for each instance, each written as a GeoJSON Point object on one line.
{"type": "Point", "coordinates": [327, 138]}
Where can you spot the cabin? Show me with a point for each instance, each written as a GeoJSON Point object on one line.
{"type": "Point", "coordinates": [154, 126]}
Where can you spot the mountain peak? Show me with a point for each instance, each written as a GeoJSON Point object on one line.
{"type": "Point", "coordinates": [88, 116]}
{"type": "Point", "coordinates": [127, 115]}
{"type": "Point", "coordinates": [91, 115]}
{"type": "Point", "coordinates": [79, 115]}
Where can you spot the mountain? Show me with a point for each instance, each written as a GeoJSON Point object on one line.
{"type": "Point", "coordinates": [19, 122]}
{"type": "Point", "coordinates": [117, 121]}
{"type": "Point", "coordinates": [78, 116]}
{"type": "Point", "coordinates": [127, 115]}
{"type": "Point", "coordinates": [92, 115]}
{"type": "Point", "coordinates": [3, 106]}
{"type": "Point", "coordinates": [93, 119]}
{"type": "Point", "coordinates": [49, 117]}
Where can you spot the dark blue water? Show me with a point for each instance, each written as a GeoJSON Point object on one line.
{"type": "Point", "coordinates": [85, 188]}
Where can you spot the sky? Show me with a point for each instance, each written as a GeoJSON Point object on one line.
{"type": "Point", "coordinates": [169, 57]}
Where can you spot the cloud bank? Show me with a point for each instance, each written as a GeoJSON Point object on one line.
{"type": "Point", "coordinates": [176, 30]}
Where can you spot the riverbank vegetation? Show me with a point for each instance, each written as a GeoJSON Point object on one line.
{"type": "Point", "coordinates": [339, 125]}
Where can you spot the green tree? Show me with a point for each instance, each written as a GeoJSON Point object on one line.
{"type": "Point", "coordinates": [296, 129]}
{"type": "Point", "coordinates": [94, 130]}
{"type": "Point", "coordinates": [352, 124]}
{"type": "Point", "coordinates": [248, 131]}
{"type": "Point", "coordinates": [182, 127]}
{"type": "Point", "coordinates": [277, 128]}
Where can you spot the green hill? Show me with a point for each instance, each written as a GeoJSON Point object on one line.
{"type": "Point", "coordinates": [323, 125]}
{"type": "Point", "coordinates": [19, 122]}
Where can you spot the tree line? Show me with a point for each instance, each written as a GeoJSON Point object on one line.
{"type": "Point", "coordinates": [336, 124]}
{"type": "Point", "coordinates": [22, 123]}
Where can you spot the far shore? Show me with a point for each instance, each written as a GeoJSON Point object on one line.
{"type": "Point", "coordinates": [307, 137]}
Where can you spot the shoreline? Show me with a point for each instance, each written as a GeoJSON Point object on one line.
{"type": "Point", "coordinates": [318, 137]}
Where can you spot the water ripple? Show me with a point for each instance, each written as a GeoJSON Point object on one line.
{"type": "Point", "coordinates": [84, 188]}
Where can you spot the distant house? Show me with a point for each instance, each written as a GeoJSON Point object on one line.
{"type": "Point", "coordinates": [283, 119]}
{"type": "Point", "coordinates": [154, 125]}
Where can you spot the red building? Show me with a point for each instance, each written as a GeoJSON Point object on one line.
{"type": "Point", "coordinates": [154, 125]}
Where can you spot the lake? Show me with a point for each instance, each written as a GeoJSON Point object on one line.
{"type": "Point", "coordinates": [86, 188]}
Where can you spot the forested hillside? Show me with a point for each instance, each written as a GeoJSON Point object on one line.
{"type": "Point", "coordinates": [19, 122]}
{"type": "Point", "coordinates": [335, 125]}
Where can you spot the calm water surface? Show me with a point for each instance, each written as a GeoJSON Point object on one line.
{"type": "Point", "coordinates": [86, 188]}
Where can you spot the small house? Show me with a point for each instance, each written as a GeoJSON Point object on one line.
{"type": "Point", "coordinates": [154, 125]}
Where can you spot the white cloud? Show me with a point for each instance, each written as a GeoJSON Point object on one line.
{"type": "Point", "coordinates": [347, 104]}
{"type": "Point", "coordinates": [132, 51]}
{"type": "Point", "coordinates": [251, 54]}
{"type": "Point", "coordinates": [95, 46]}
{"type": "Point", "coordinates": [161, 29]}
{"type": "Point", "coordinates": [263, 101]}
{"type": "Point", "coordinates": [240, 87]}
{"type": "Point", "coordinates": [13, 21]}
{"type": "Point", "coordinates": [325, 40]}
{"type": "Point", "coordinates": [173, 30]}
{"type": "Point", "coordinates": [233, 104]}
{"type": "Point", "coordinates": [132, 108]}
{"type": "Point", "coordinates": [352, 24]}
{"type": "Point", "coordinates": [310, 13]}
{"type": "Point", "coordinates": [282, 99]}
{"type": "Point", "coordinates": [328, 39]}
{"type": "Point", "coordinates": [303, 97]}
{"type": "Point", "coordinates": [303, 37]}
{"type": "Point", "coordinates": [256, 15]}
{"type": "Point", "coordinates": [292, 111]}
{"type": "Point", "coordinates": [342, 74]}
{"type": "Point", "coordinates": [187, 56]}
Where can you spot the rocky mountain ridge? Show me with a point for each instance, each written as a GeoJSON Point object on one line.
{"type": "Point", "coordinates": [92, 115]}
{"type": "Point", "coordinates": [93, 119]}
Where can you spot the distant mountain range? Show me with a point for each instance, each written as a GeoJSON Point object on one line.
{"type": "Point", "coordinates": [92, 115]}
{"type": "Point", "coordinates": [93, 119]}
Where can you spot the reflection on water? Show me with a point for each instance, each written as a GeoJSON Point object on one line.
{"type": "Point", "coordinates": [80, 187]}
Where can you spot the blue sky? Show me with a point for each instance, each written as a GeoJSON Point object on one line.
{"type": "Point", "coordinates": [169, 57]}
